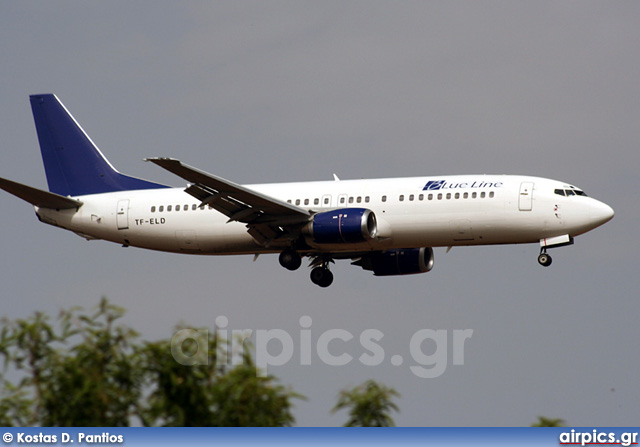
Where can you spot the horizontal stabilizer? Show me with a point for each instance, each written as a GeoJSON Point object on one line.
{"type": "Point", "coordinates": [38, 197]}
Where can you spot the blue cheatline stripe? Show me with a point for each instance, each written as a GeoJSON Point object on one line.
{"type": "Point", "coordinates": [285, 437]}
{"type": "Point", "coordinates": [73, 164]}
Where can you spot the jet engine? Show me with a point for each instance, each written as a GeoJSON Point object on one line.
{"type": "Point", "coordinates": [346, 225]}
{"type": "Point", "coordinates": [400, 261]}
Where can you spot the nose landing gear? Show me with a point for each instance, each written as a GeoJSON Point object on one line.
{"type": "Point", "coordinates": [544, 259]}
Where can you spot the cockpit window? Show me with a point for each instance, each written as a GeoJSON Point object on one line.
{"type": "Point", "coordinates": [569, 192]}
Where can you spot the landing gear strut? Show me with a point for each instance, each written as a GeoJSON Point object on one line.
{"type": "Point", "coordinates": [290, 259]}
{"type": "Point", "coordinates": [544, 259]}
{"type": "Point", "coordinates": [322, 276]}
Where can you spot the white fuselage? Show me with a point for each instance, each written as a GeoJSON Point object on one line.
{"type": "Point", "coordinates": [453, 210]}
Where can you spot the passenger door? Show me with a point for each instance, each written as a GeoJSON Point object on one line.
{"type": "Point", "coordinates": [122, 214]}
{"type": "Point", "coordinates": [525, 201]}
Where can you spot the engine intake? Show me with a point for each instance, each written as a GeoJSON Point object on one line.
{"type": "Point", "coordinates": [346, 225]}
{"type": "Point", "coordinates": [401, 261]}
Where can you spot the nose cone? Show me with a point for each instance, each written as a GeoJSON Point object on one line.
{"type": "Point", "coordinates": [600, 213]}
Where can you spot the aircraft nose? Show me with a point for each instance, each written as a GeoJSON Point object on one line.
{"type": "Point", "coordinates": [600, 213]}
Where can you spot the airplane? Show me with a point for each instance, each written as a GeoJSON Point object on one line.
{"type": "Point", "coordinates": [387, 226]}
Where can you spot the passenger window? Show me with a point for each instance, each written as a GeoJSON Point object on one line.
{"type": "Point", "coordinates": [306, 201]}
{"type": "Point", "coordinates": [457, 195]}
{"type": "Point", "coordinates": [168, 208]}
{"type": "Point", "coordinates": [491, 194]}
{"type": "Point", "coordinates": [440, 196]}
{"type": "Point", "coordinates": [401, 197]}
{"type": "Point", "coordinates": [474, 195]}
{"type": "Point", "coordinates": [177, 207]}
{"type": "Point", "coordinates": [297, 201]}
{"type": "Point", "coordinates": [448, 196]}
{"type": "Point", "coordinates": [153, 209]}
{"type": "Point", "coordinates": [316, 201]}
{"type": "Point", "coordinates": [384, 198]}
{"type": "Point", "coordinates": [326, 200]}
{"type": "Point", "coordinates": [411, 198]}
{"type": "Point", "coordinates": [482, 194]}
{"type": "Point", "coordinates": [359, 199]}
{"type": "Point", "coordinates": [421, 197]}
{"type": "Point", "coordinates": [366, 199]}
{"type": "Point", "coordinates": [161, 209]}
{"type": "Point", "coordinates": [430, 197]}
{"type": "Point", "coordinates": [342, 200]}
{"type": "Point", "coordinates": [194, 207]}
{"type": "Point", "coordinates": [466, 195]}
{"type": "Point", "coordinates": [350, 199]}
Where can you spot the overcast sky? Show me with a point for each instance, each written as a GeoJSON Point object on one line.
{"type": "Point", "coordinates": [290, 91]}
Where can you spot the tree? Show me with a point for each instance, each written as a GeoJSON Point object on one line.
{"type": "Point", "coordinates": [547, 422]}
{"type": "Point", "coordinates": [212, 394]}
{"type": "Point", "coordinates": [370, 404]}
{"type": "Point", "coordinates": [96, 378]}
{"type": "Point", "coordinates": [88, 371]}
{"type": "Point", "coordinates": [241, 399]}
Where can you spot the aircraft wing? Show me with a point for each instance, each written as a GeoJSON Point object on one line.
{"type": "Point", "coordinates": [38, 197]}
{"type": "Point", "coordinates": [267, 218]}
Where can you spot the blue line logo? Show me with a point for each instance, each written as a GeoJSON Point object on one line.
{"type": "Point", "coordinates": [434, 185]}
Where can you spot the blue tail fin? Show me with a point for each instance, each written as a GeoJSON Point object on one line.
{"type": "Point", "coordinates": [73, 164]}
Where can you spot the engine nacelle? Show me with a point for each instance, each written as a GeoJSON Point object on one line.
{"type": "Point", "coordinates": [346, 225]}
{"type": "Point", "coordinates": [401, 261]}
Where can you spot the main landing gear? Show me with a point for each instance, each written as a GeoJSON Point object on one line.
{"type": "Point", "coordinates": [544, 259]}
{"type": "Point", "coordinates": [320, 274]}
{"type": "Point", "coordinates": [290, 259]}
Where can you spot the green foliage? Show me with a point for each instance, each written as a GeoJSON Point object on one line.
{"type": "Point", "coordinates": [369, 405]}
{"type": "Point", "coordinates": [547, 422]}
{"type": "Point", "coordinates": [92, 372]}
{"type": "Point", "coordinates": [91, 383]}
{"type": "Point", "coordinates": [242, 398]}
{"type": "Point", "coordinates": [177, 396]}
{"type": "Point", "coordinates": [211, 394]}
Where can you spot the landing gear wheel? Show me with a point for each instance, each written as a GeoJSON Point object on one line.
{"type": "Point", "coordinates": [544, 260]}
{"type": "Point", "coordinates": [290, 260]}
{"type": "Point", "coordinates": [321, 276]}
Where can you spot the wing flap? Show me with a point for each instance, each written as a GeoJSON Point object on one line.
{"type": "Point", "coordinates": [269, 221]}
{"type": "Point", "coordinates": [38, 197]}
{"type": "Point", "coordinates": [230, 198]}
